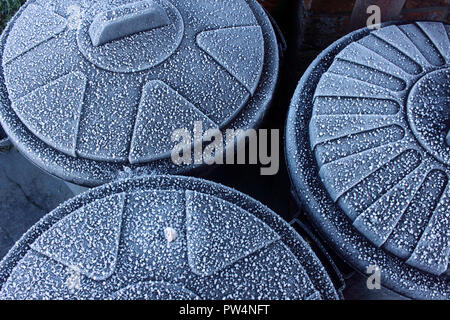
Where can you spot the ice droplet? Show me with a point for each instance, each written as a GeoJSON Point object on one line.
{"type": "Point", "coordinates": [170, 234]}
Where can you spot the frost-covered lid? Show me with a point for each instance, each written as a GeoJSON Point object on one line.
{"type": "Point", "coordinates": [378, 131]}
{"type": "Point", "coordinates": [91, 87]}
{"type": "Point", "coordinates": [378, 121]}
{"type": "Point", "coordinates": [163, 237]}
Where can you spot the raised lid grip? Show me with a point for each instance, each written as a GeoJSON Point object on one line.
{"type": "Point", "coordinates": [127, 20]}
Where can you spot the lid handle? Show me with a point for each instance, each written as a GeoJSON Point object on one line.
{"type": "Point", "coordinates": [127, 20]}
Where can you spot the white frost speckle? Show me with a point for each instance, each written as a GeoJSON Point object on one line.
{"type": "Point", "coordinates": [170, 234]}
{"type": "Point", "coordinates": [374, 169]}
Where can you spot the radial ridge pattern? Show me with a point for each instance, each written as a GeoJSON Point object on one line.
{"type": "Point", "coordinates": [378, 132]}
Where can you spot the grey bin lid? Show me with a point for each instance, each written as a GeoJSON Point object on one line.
{"type": "Point", "coordinates": [374, 128]}
{"type": "Point", "coordinates": [83, 102]}
{"type": "Point", "coordinates": [163, 237]}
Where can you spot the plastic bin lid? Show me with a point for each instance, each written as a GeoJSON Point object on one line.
{"type": "Point", "coordinates": [90, 88]}
{"type": "Point", "coordinates": [163, 237]}
{"type": "Point", "coordinates": [372, 122]}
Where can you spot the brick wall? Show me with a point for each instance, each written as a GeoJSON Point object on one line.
{"type": "Point", "coordinates": [328, 20]}
{"type": "Point", "coordinates": [426, 10]}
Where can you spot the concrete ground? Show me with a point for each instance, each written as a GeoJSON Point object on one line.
{"type": "Point", "coordinates": [26, 194]}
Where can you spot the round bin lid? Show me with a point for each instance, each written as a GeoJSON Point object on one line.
{"type": "Point", "coordinates": [163, 237]}
{"type": "Point", "coordinates": [369, 155]}
{"type": "Point", "coordinates": [90, 88]}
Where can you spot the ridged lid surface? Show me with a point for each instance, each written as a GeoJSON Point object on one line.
{"type": "Point", "coordinates": [378, 130]}
{"type": "Point", "coordinates": [101, 85]}
{"type": "Point", "coordinates": [368, 152]}
{"type": "Point", "coordinates": [163, 238]}
{"type": "Point", "coordinates": [2, 135]}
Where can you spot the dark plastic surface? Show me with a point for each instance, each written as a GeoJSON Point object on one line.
{"type": "Point", "coordinates": [3, 137]}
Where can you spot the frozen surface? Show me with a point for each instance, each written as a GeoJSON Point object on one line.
{"type": "Point", "coordinates": [373, 169]}
{"type": "Point", "coordinates": [163, 237]}
{"type": "Point", "coordinates": [219, 57]}
{"type": "Point", "coordinates": [61, 125]}
{"type": "Point", "coordinates": [158, 102]}
{"type": "Point", "coordinates": [377, 154]}
{"type": "Point", "coordinates": [127, 20]}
